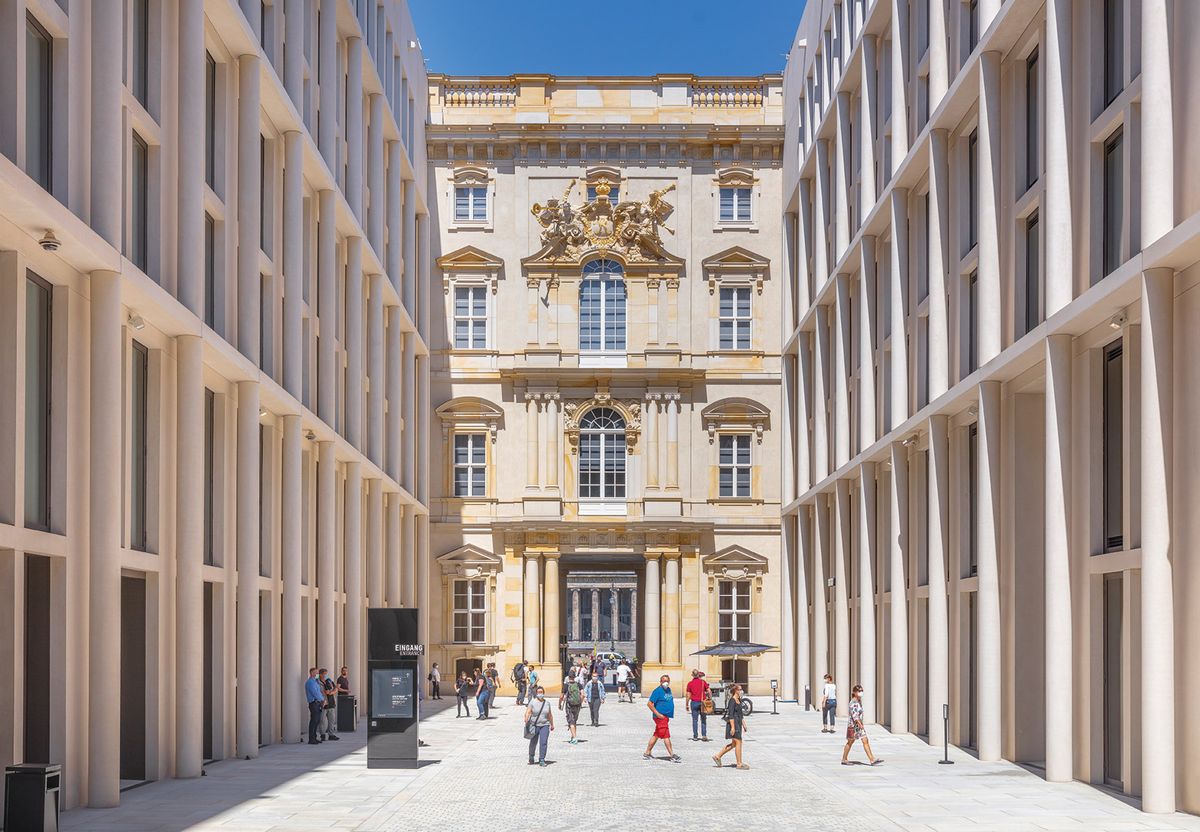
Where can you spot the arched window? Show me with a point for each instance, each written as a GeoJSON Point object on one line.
{"type": "Point", "coordinates": [602, 307]}
{"type": "Point", "coordinates": [602, 455]}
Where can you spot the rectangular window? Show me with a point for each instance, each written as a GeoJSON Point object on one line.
{"type": "Point", "coordinates": [470, 465]}
{"type": "Point", "coordinates": [614, 194]}
{"type": "Point", "coordinates": [470, 204]}
{"type": "Point", "coordinates": [470, 317]}
{"type": "Point", "coordinates": [735, 318]}
{"type": "Point", "coordinates": [971, 567]}
{"type": "Point", "coordinates": [1114, 49]}
{"type": "Point", "coordinates": [1033, 273]}
{"type": "Point", "coordinates": [733, 610]}
{"type": "Point", "coordinates": [470, 609]}
{"type": "Point", "coordinates": [264, 208]}
{"type": "Point", "coordinates": [139, 405]}
{"type": "Point", "coordinates": [139, 14]}
{"type": "Point", "coordinates": [140, 209]}
{"type": "Point", "coordinates": [973, 322]}
{"type": "Point", "coordinates": [973, 190]}
{"type": "Point", "coordinates": [1032, 160]}
{"type": "Point", "coordinates": [972, 25]}
{"type": "Point", "coordinates": [735, 205]}
{"type": "Point", "coordinates": [210, 271]}
{"type": "Point", "coordinates": [266, 325]}
{"type": "Point", "coordinates": [734, 464]}
{"type": "Point", "coordinates": [1114, 199]}
{"type": "Point", "coordinates": [210, 120]}
{"type": "Point", "coordinates": [38, 300]}
{"type": "Point", "coordinates": [210, 405]}
{"type": "Point", "coordinates": [39, 73]}
{"type": "Point", "coordinates": [923, 273]}
{"type": "Point", "coordinates": [1113, 448]}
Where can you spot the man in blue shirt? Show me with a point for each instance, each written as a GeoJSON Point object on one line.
{"type": "Point", "coordinates": [316, 703]}
{"type": "Point", "coordinates": [662, 706]}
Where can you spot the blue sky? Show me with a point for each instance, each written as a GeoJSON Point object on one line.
{"type": "Point", "coordinates": [606, 37]}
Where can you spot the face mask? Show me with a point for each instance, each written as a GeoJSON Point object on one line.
{"type": "Point", "coordinates": [541, 696]}
{"type": "Point", "coordinates": [666, 684]}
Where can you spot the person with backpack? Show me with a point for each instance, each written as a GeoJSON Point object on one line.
{"type": "Point", "coordinates": [518, 678]}
{"type": "Point", "coordinates": [572, 698]}
{"type": "Point", "coordinates": [538, 724]}
{"type": "Point", "coordinates": [594, 694]}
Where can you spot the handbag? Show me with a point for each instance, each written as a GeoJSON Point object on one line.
{"type": "Point", "coordinates": [707, 706]}
{"type": "Point", "coordinates": [530, 726]}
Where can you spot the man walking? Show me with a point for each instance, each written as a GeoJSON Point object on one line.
{"type": "Point", "coordinates": [435, 682]}
{"type": "Point", "coordinates": [572, 698]}
{"type": "Point", "coordinates": [595, 693]}
{"type": "Point", "coordinates": [623, 672]}
{"type": "Point", "coordinates": [518, 678]}
{"type": "Point", "coordinates": [316, 704]}
{"type": "Point", "coordinates": [662, 706]}
{"type": "Point", "coordinates": [697, 692]}
{"type": "Point", "coordinates": [493, 684]}
{"type": "Point", "coordinates": [328, 714]}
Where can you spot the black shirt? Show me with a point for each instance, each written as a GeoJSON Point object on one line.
{"type": "Point", "coordinates": [343, 683]}
{"type": "Point", "coordinates": [330, 690]}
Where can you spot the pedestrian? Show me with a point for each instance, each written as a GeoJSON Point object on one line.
{"type": "Point", "coordinates": [463, 688]}
{"type": "Point", "coordinates": [623, 672]}
{"type": "Point", "coordinates": [697, 693]}
{"type": "Point", "coordinates": [329, 710]}
{"type": "Point", "coordinates": [662, 707]}
{"type": "Point", "coordinates": [571, 701]}
{"type": "Point", "coordinates": [533, 681]}
{"type": "Point", "coordinates": [538, 724]}
{"type": "Point", "coordinates": [594, 694]}
{"type": "Point", "coordinates": [343, 682]}
{"type": "Point", "coordinates": [828, 706]}
{"type": "Point", "coordinates": [481, 694]}
{"type": "Point", "coordinates": [735, 725]}
{"type": "Point", "coordinates": [518, 677]}
{"type": "Point", "coordinates": [316, 704]}
{"type": "Point", "coordinates": [493, 684]}
{"type": "Point", "coordinates": [435, 682]}
{"type": "Point", "coordinates": [855, 730]}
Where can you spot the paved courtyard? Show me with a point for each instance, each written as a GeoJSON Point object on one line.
{"type": "Point", "coordinates": [476, 776]}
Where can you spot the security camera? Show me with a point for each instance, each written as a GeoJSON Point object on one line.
{"type": "Point", "coordinates": [49, 242]}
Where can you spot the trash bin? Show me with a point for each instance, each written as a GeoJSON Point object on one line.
{"type": "Point", "coordinates": [31, 797]}
{"type": "Point", "coordinates": [347, 713]}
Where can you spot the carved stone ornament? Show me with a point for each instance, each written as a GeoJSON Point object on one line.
{"type": "Point", "coordinates": [630, 410]}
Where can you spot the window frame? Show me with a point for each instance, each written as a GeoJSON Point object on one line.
{"type": "Point", "coordinates": [476, 204]}
{"type": "Point", "coordinates": [735, 440]}
{"type": "Point", "coordinates": [139, 202]}
{"type": "Point", "coordinates": [473, 322]}
{"type": "Point", "coordinates": [608, 440]}
{"type": "Point", "coordinates": [43, 142]}
{"type": "Point", "coordinates": [1112, 456]}
{"type": "Point", "coordinates": [1113, 228]}
{"type": "Point", "coordinates": [476, 441]}
{"type": "Point", "coordinates": [600, 273]}
{"type": "Point", "coordinates": [475, 590]}
{"type": "Point", "coordinates": [45, 466]}
{"type": "Point", "coordinates": [735, 321]}
{"type": "Point", "coordinates": [736, 204]}
{"type": "Point", "coordinates": [736, 625]}
{"type": "Point", "coordinates": [139, 446]}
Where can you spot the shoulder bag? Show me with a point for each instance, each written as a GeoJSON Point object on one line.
{"type": "Point", "coordinates": [531, 723]}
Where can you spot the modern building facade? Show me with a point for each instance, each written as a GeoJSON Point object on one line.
{"type": "Point", "coordinates": [605, 369]}
{"type": "Point", "coordinates": [214, 248]}
{"type": "Point", "coordinates": [992, 226]}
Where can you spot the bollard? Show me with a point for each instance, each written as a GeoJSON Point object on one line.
{"type": "Point", "coordinates": [945, 761]}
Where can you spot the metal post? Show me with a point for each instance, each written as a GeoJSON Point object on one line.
{"type": "Point", "coordinates": [807, 698]}
{"type": "Point", "coordinates": [774, 696]}
{"type": "Point", "coordinates": [945, 761]}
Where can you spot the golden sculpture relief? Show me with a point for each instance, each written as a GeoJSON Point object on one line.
{"type": "Point", "coordinates": [630, 228]}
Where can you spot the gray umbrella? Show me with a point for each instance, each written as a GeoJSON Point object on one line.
{"type": "Point", "coordinates": [735, 648]}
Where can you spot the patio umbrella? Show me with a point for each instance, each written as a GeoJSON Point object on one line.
{"type": "Point", "coordinates": [735, 648]}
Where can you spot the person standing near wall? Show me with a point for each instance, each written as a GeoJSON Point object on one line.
{"type": "Point", "coordinates": [435, 682]}
{"type": "Point", "coordinates": [828, 706]}
{"type": "Point", "coordinates": [316, 704]}
{"type": "Point", "coordinates": [329, 711]}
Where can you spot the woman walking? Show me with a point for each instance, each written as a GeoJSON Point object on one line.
{"type": "Point", "coordinates": [855, 729]}
{"type": "Point", "coordinates": [828, 706]}
{"type": "Point", "coordinates": [735, 724]}
{"type": "Point", "coordinates": [539, 722]}
{"type": "Point", "coordinates": [463, 687]}
{"type": "Point", "coordinates": [481, 694]}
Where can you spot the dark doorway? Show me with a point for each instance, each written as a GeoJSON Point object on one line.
{"type": "Point", "coordinates": [37, 659]}
{"type": "Point", "coordinates": [208, 671]}
{"type": "Point", "coordinates": [468, 665]}
{"type": "Point", "coordinates": [133, 678]}
{"type": "Point", "coordinates": [736, 670]}
{"type": "Point", "coordinates": [1113, 603]}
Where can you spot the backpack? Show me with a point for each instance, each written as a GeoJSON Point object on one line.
{"type": "Point", "coordinates": [518, 673]}
{"type": "Point", "coordinates": [574, 694]}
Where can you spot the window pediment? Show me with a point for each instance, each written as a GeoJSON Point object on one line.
{"type": "Point", "coordinates": [736, 178]}
{"type": "Point", "coordinates": [470, 561]}
{"type": "Point", "coordinates": [629, 409]}
{"type": "Point", "coordinates": [470, 175]}
{"type": "Point", "coordinates": [736, 264]}
{"type": "Point", "coordinates": [467, 412]}
{"type": "Point", "coordinates": [472, 261]}
{"type": "Point", "coordinates": [735, 415]}
{"type": "Point", "coordinates": [734, 562]}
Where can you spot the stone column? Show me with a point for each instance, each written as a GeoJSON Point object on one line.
{"type": "Point", "coordinates": [1058, 237]}
{"type": "Point", "coordinates": [939, 231]}
{"type": "Point", "coordinates": [939, 537]}
{"type": "Point", "coordinates": [899, 89]}
{"type": "Point", "coordinates": [376, 583]}
{"type": "Point", "coordinates": [395, 215]}
{"type": "Point", "coordinates": [898, 298]}
{"type": "Point", "coordinates": [326, 556]}
{"type": "Point", "coordinates": [653, 610]}
{"type": "Point", "coordinates": [353, 622]}
{"type": "Point", "coordinates": [290, 537]}
{"type": "Point", "coordinates": [394, 423]}
{"type": "Point", "coordinates": [820, 547]}
{"type": "Point", "coordinates": [651, 452]}
{"type": "Point", "coordinates": [821, 264]}
{"type": "Point", "coordinates": [354, 127]}
{"type": "Point", "coordinates": [802, 544]}
{"type": "Point", "coordinates": [633, 613]}
{"type": "Point", "coordinates": [354, 343]}
{"type": "Point", "coordinates": [898, 620]}
{"type": "Point", "coordinates": [249, 214]}
{"type": "Point", "coordinates": [327, 292]}
{"type": "Point", "coordinates": [575, 616]}
{"type": "Point", "coordinates": [107, 179]}
{"type": "Point", "coordinates": [327, 73]}
{"type": "Point", "coordinates": [408, 559]}
{"type": "Point", "coordinates": [866, 589]}
{"type": "Point", "coordinates": [939, 73]}
{"type": "Point", "coordinates": [673, 440]}
{"type": "Point", "coordinates": [552, 431]}
{"type": "Point", "coordinates": [868, 323]}
{"type": "Point", "coordinates": [841, 373]}
{"type": "Point", "coordinates": [293, 51]}
{"type": "Point", "coordinates": [868, 102]}
{"type": "Point", "coordinates": [787, 625]}
{"type": "Point", "coordinates": [1157, 132]}
{"type": "Point", "coordinates": [1059, 631]}
{"type": "Point", "coordinates": [533, 609]}
{"type": "Point", "coordinates": [395, 519]}
{"type": "Point", "coordinates": [532, 414]}
{"type": "Point", "coordinates": [843, 517]}
{"type": "Point", "coordinates": [615, 614]}
{"type": "Point", "coordinates": [1157, 600]}
{"type": "Point", "coordinates": [843, 151]}
{"type": "Point", "coordinates": [551, 615]}
{"type": "Point", "coordinates": [409, 409]}
{"type": "Point", "coordinates": [377, 208]}
{"type": "Point", "coordinates": [597, 618]}
{"type": "Point", "coordinates": [190, 171]}
{"type": "Point", "coordinates": [375, 373]}
{"type": "Point", "coordinates": [820, 374]}
{"type": "Point", "coordinates": [661, 403]}
{"type": "Point", "coordinates": [249, 544]}
{"type": "Point", "coordinates": [988, 659]}
{"type": "Point", "coordinates": [409, 282]}
{"type": "Point", "coordinates": [803, 244]}
{"type": "Point", "coordinates": [189, 558]}
{"type": "Point", "coordinates": [293, 263]}
{"type": "Point", "coordinates": [104, 533]}
{"type": "Point", "coordinates": [803, 412]}
{"type": "Point", "coordinates": [670, 604]}
{"type": "Point", "coordinates": [988, 176]}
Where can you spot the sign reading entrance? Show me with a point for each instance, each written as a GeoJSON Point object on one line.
{"type": "Point", "coordinates": [393, 650]}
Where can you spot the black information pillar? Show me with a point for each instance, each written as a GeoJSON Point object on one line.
{"type": "Point", "coordinates": [393, 650]}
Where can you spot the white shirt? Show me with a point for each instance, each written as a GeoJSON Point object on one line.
{"type": "Point", "coordinates": [829, 691]}
{"type": "Point", "coordinates": [623, 673]}
{"type": "Point", "coordinates": [437, 674]}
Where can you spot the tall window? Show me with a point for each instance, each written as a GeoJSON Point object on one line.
{"type": "Point", "coordinates": [1032, 159]}
{"type": "Point", "coordinates": [1033, 272]}
{"type": "Point", "coordinates": [264, 204]}
{"type": "Point", "coordinates": [210, 120]}
{"type": "Point", "coordinates": [1114, 49]}
{"type": "Point", "coordinates": [972, 25]}
{"type": "Point", "coordinates": [140, 209]}
{"type": "Point", "coordinates": [470, 607]}
{"type": "Point", "coordinates": [1113, 448]}
{"type": "Point", "coordinates": [602, 307]}
{"type": "Point", "coordinates": [470, 317]}
{"type": "Point", "coordinates": [602, 455]}
{"type": "Point", "coordinates": [210, 271]}
{"type": "Point", "coordinates": [39, 69]}
{"type": "Point", "coordinates": [470, 203]}
{"type": "Point", "coordinates": [973, 322]}
{"type": "Point", "coordinates": [972, 190]}
{"type": "Point", "coordinates": [614, 194]}
{"type": "Point", "coordinates": [1114, 199]}
{"type": "Point", "coordinates": [139, 379]}
{"type": "Point", "coordinates": [470, 465]}
{"type": "Point", "coordinates": [735, 205]}
{"type": "Point", "coordinates": [139, 14]}
{"type": "Point", "coordinates": [37, 401]}
{"type": "Point", "coordinates": [733, 610]}
{"type": "Point", "coordinates": [735, 318]}
{"type": "Point", "coordinates": [734, 465]}
{"type": "Point", "coordinates": [972, 565]}
{"type": "Point", "coordinates": [210, 405]}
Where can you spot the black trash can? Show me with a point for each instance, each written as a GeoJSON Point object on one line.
{"type": "Point", "coordinates": [31, 797]}
{"type": "Point", "coordinates": [347, 713]}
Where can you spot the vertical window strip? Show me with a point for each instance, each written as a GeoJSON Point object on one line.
{"type": "Point", "coordinates": [470, 318]}
{"type": "Point", "coordinates": [138, 437]}
{"type": "Point", "coordinates": [1114, 199]}
{"type": "Point", "coordinates": [1113, 447]}
{"type": "Point", "coordinates": [209, 471]}
{"type": "Point", "coordinates": [1032, 126]}
{"type": "Point", "coordinates": [210, 120]}
{"type": "Point", "coordinates": [39, 76]}
{"type": "Point", "coordinates": [1033, 275]}
{"type": "Point", "coordinates": [140, 209]}
{"type": "Point", "coordinates": [734, 318]}
{"type": "Point", "coordinates": [470, 465]}
{"type": "Point", "coordinates": [139, 14]}
{"type": "Point", "coordinates": [1114, 49]}
{"type": "Point", "coordinates": [734, 465]}
{"type": "Point", "coordinates": [38, 402]}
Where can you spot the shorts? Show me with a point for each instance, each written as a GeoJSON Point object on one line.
{"type": "Point", "coordinates": [573, 713]}
{"type": "Point", "coordinates": [662, 728]}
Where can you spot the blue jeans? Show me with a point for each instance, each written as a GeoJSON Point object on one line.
{"type": "Point", "coordinates": [481, 701]}
{"type": "Point", "coordinates": [538, 741]}
{"type": "Point", "coordinates": [698, 716]}
{"type": "Point", "coordinates": [829, 712]}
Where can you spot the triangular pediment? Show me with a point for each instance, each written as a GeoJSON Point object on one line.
{"type": "Point", "coordinates": [737, 259]}
{"type": "Point", "coordinates": [469, 259]}
{"type": "Point", "coordinates": [735, 561]}
{"type": "Point", "coordinates": [470, 561]}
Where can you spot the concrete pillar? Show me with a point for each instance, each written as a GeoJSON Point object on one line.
{"type": "Point", "coordinates": [327, 556]}
{"type": "Point", "coordinates": [842, 165]}
{"type": "Point", "coordinates": [408, 559]}
{"type": "Point", "coordinates": [868, 324]}
{"type": "Point", "coordinates": [672, 402]}
{"type": "Point", "coordinates": [550, 608]}
{"type": "Point", "coordinates": [670, 609]}
{"type": "Point", "coordinates": [107, 144]}
{"type": "Point", "coordinates": [804, 411]}
{"type": "Point", "coordinates": [552, 431]}
{"type": "Point", "coordinates": [394, 421]}
{"type": "Point", "coordinates": [395, 215]}
{"type": "Point", "coordinates": [651, 452]}
{"type": "Point", "coordinates": [532, 419]}
{"type": "Point", "coordinates": [802, 550]}
{"type": "Point", "coordinates": [1058, 237]}
{"type": "Point", "coordinates": [293, 263]}
{"type": "Point", "coordinates": [354, 343]}
{"type": "Point", "coordinates": [189, 558]}
{"type": "Point", "coordinates": [939, 236]}
{"type": "Point", "coordinates": [409, 408]}
{"type": "Point", "coordinates": [190, 159]}
{"type": "Point", "coordinates": [533, 609]}
{"type": "Point", "coordinates": [990, 307]}
{"type": "Point", "coordinates": [868, 102]}
{"type": "Point", "coordinates": [378, 202]}
{"type": "Point", "coordinates": [866, 589]}
{"type": "Point", "coordinates": [327, 74]}
{"type": "Point", "coordinates": [354, 622]}
{"type": "Point", "coordinates": [1157, 599]}
{"type": "Point", "coordinates": [653, 610]}
{"type": "Point", "coordinates": [376, 583]}
{"type": "Point", "coordinates": [290, 532]}
{"type": "Point", "coordinates": [1059, 631]}
{"type": "Point", "coordinates": [988, 659]}
{"type": "Point", "coordinates": [939, 75]}
{"type": "Point", "coordinates": [787, 402]}
{"type": "Point", "coordinates": [293, 51]}
{"type": "Point", "coordinates": [327, 291]}
{"type": "Point", "coordinates": [421, 312]}
{"type": "Point", "coordinates": [787, 609]}
{"type": "Point", "coordinates": [898, 607]}
{"type": "Point", "coordinates": [820, 374]}
{"type": "Point", "coordinates": [899, 89]}
{"type": "Point", "coordinates": [375, 372]}
{"type": "Point", "coordinates": [939, 539]}
{"type": "Point", "coordinates": [842, 352]}
{"type": "Point", "coordinates": [821, 197]}
{"type": "Point", "coordinates": [843, 517]}
{"type": "Point", "coordinates": [898, 298]}
{"type": "Point", "coordinates": [1157, 131]}
{"type": "Point", "coordinates": [988, 9]}
{"type": "Point", "coordinates": [354, 128]}
{"type": "Point", "coordinates": [249, 212]}
{"type": "Point", "coordinates": [249, 543]}
{"type": "Point", "coordinates": [819, 546]}
{"type": "Point", "coordinates": [409, 283]}
{"type": "Point", "coordinates": [803, 245]}
{"type": "Point", "coordinates": [395, 518]}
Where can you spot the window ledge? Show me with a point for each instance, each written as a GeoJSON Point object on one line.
{"type": "Point", "coordinates": [751, 353]}
{"type": "Point", "coordinates": [467, 351]}
{"type": "Point", "coordinates": [602, 509]}
{"type": "Point", "coordinates": [460, 500]}
{"type": "Point", "coordinates": [744, 501]}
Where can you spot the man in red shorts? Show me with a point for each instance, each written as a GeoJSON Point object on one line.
{"type": "Point", "coordinates": [662, 705]}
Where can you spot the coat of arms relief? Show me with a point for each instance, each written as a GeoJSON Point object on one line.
{"type": "Point", "coordinates": [630, 228]}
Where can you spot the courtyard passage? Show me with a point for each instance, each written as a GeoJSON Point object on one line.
{"type": "Point", "coordinates": [480, 777]}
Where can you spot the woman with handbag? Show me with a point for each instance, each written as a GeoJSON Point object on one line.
{"type": "Point", "coordinates": [698, 698]}
{"type": "Point", "coordinates": [855, 730]}
{"type": "Point", "coordinates": [735, 725]}
{"type": "Point", "coordinates": [539, 722]}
